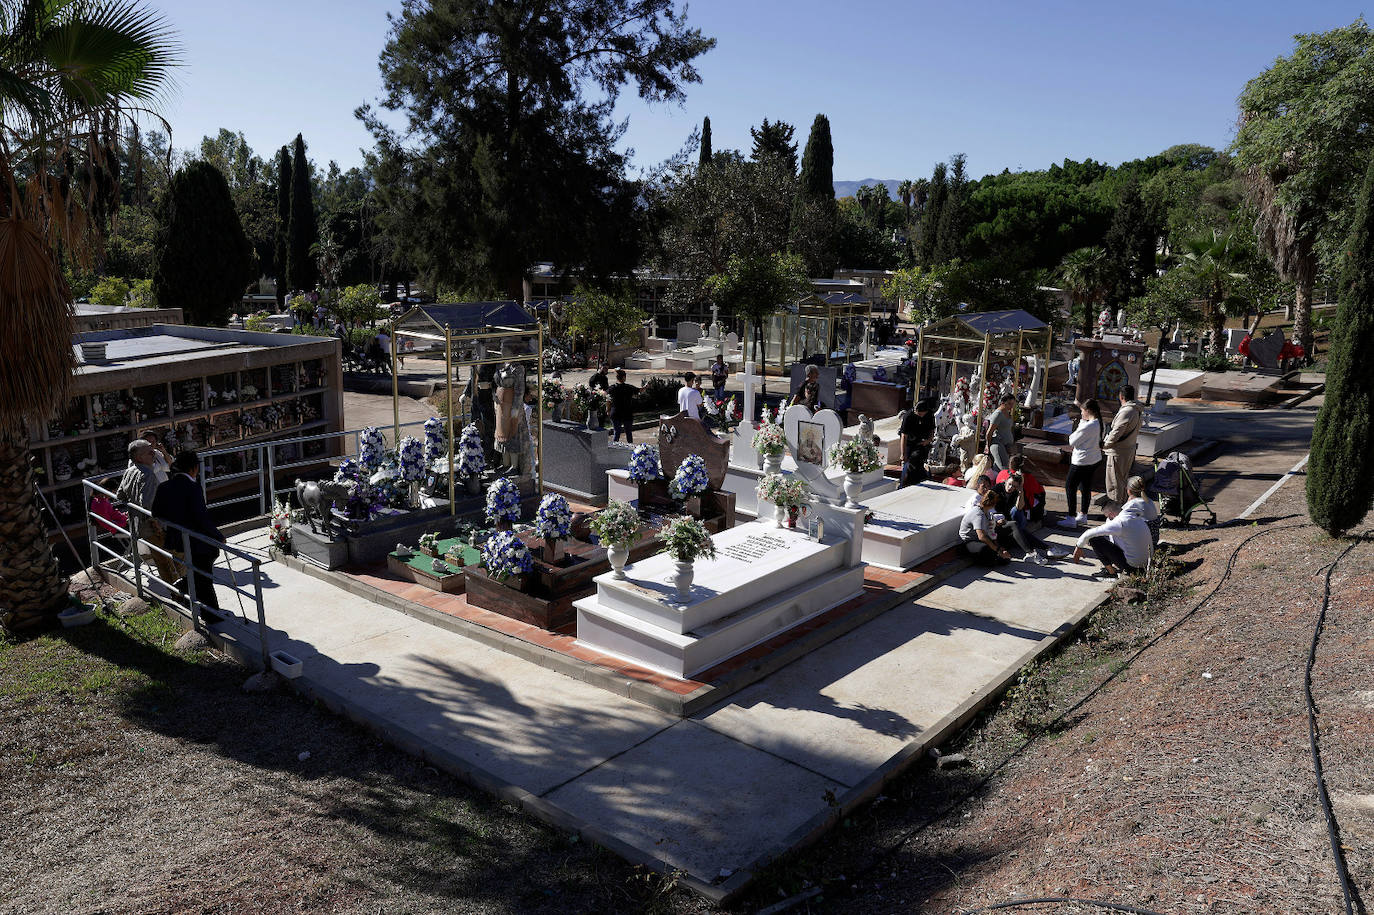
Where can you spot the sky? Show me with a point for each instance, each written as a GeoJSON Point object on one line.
{"type": "Point", "coordinates": [1015, 85]}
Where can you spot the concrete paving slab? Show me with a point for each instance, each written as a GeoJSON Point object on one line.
{"type": "Point", "coordinates": [697, 799]}
{"type": "Point", "coordinates": [1039, 598]}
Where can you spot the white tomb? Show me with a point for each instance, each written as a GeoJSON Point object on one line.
{"type": "Point", "coordinates": [1174, 382]}
{"type": "Point", "coordinates": [913, 524]}
{"type": "Point", "coordinates": [889, 359]}
{"type": "Point", "coordinates": [889, 432]}
{"type": "Point", "coordinates": [764, 580]}
{"type": "Point", "coordinates": [1159, 433]}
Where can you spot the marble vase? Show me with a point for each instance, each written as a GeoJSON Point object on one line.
{"type": "Point", "coordinates": [772, 463]}
{"type": "Point", "coordinates": [618, 553]}
{"type": "Point", "coordinates": [681, 579]}
{"type": "Point", "coordinates": [853, 488]}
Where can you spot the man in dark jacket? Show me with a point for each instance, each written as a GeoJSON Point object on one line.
{"type": "Point", "coordinates": [918, 430]}
{"type": "Point", "coordinates": [180, 501]}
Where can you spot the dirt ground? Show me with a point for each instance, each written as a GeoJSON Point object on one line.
{"type": "Point", "coordinates": [141, 780]}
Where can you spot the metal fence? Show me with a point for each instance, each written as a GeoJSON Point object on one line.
{"type": "Point", "coordinates": [142, 552]}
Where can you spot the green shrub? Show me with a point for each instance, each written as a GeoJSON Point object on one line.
{"type": "Point", "coordinates": [1208, 363]}
{"type": "Point", "coordinates": [111, 291]}
{"type": "Point", "coordinates": [659, 393]}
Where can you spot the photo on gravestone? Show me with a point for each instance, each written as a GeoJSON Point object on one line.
{"type": "Point", "coordinates": [810, 442]}
{"type": "Point", "coordinates": [680, 435]}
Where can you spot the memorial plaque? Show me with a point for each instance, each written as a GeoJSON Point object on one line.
{"type": "Point", "coordinates": [310, 408]}
{"type": "Point", "coordinates": [253, 420]}
{"type": "Point", "coordinates": [150, 402]}
{"type": "Point", "coordinates": [680, 435]}
{"type": "Point", "coordinates": [312, 374]}
{"type": "Point", "coordinates": [811, 442]}
{"type": "Point", "coordinates": [192, 435]}
{"type": "Point", "coordinates": [222, 389]}
{"type": "Point", "coordinates": [187, 396]}
{"type": "Point", "coordinates": [112, 452]}
{"type": "Point", "coordinates": [754, 547]}
{"type": "Point", "coordinates": [224, 427]}
{"type": "Point", "coordinates": [253, 385]}
{"type": "Point", "coordinates": [284, 379]}
{"type": "Point", "coordinates": [112, 410]}
{"type": "Point", "coordinates": [71, 421]}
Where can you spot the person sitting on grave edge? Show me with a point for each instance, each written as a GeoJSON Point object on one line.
{"type": "Point", "coordinates": [689, 396]}
{"type": "Point", "coordinates": [981, 468]}
{"type": "Point", "coordinates": [1121, 543]}
{"type": "Point", "coordinates": [1014, 506]}
{"type": "Point", "coordinates": [918, 431]}
{"type": "Point", "coordinates": [1142, 507]}
{"type": "Point", "coordinates": [809, 394]}
{"type": "Point", "coordinates": [979, 534]}
{"type": "Point", "coordinates": [1000, 437]}
{"type": "Point", "coordinates": [1035, 493]}
{"type": "Point", "coordinates": [982, 485]}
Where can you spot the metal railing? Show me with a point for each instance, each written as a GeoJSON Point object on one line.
{"type": "Point", "coordinates": [118, 550]}
{"type": "Point", "coordinates": [261, 463]}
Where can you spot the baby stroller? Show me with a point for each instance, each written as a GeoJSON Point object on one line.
{"type": "Point", "coordinates": [1175, 487]}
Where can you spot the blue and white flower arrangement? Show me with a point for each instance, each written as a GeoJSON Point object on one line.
{"type": "Point", "coordinates": [848, 375]}
{"type": "Point", "coordinates": [350, 471]}
{"type": "Point", "coordinates": [553, 520]}
{"type": "Point", "coordinates": [472, 460]}
{"type": "Point", "coordinates": [880, 374]}
{"type": "Point", "coordinates": [503, 501]}
{"type": "Point", "coordinates": [690, 478]}
{"type": "Point", "coordinates": [371, 448]}
{"type": "Point", "coordinates": [644, 463]}
{"type": "Point", "coordinates": [410, 459]}
{"type": "Point", "coordinates": [435, 446]}
{"type": "Point", "coordinates": [505, 555]}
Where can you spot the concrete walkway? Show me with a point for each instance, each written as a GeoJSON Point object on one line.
{"type": "Point", "coordinates": [714, 796]}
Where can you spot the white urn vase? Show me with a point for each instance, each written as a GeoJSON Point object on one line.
{"type": "Point", "coordinates": [772, 463]}
{"type": "Point", "coordinates": [780, 515]}
{"type": "Point", "coordinates": [853, 488]}
{"type": "Point", "coordinates": [593, 419]}
{"type": "Point", "coordinates": [682, 579]}
{"type": "Point", "coordinates": [618, 553]}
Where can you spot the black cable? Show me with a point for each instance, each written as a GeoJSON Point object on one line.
{"type": "Point", "coordinates": [1043, 900]}
{"type": "Point", "coordinates": [1332, 829]}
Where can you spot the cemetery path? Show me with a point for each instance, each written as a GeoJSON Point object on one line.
{"type": "Point", "coordinates": [713, 796]}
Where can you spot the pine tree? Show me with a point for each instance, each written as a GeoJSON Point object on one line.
{"type": "Point", "coordinates": [775, 139]}
{"type": "Point", "coordinates": [930, 216]}
{"type": "Point", "coordinates": [1130, 244]}
{"type": "Point", "coordinates": [818, 162]}
{"type": "Point", "coordinates": [302, 233]}
{"type": "Point", "coordinates": [705, 142]}
{"type": "Point", "coordinates": [1340, 489]}
{"type": "Point", "coordinates": [953, 224]}
{"type": "Point", "coordinates": [283, 221]}
{"type": "Point", "coordinates": [204, 260]}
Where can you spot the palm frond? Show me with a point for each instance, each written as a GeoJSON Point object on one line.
{"type": "Point", "coordinates": [36, 357]}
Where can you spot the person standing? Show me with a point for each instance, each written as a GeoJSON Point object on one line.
{"type": "Point", "coordinates": [599, 378]}
{"type": "Point", "coordinates": [622, 407]}
{"type": "Point", "coordinates": [1086, 441]}
{"type": "Point", "coordinates": [918, 431]}
{"type": "Point", "coordinates": [1000, 437]}
{"type": "Point", "coordinates": [180, 501]}
{"type": "Point", "coordinates": [809, 394]}
{"type": "Point", "coordinates": [719, 374]}
{"type": "Point", "coordinates": [689, 396]}
{"type": "Point", "coordinates": [1120, 444]}
{"type": "Point", "coordinates": [148, 469]}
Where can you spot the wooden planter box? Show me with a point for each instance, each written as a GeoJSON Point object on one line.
{"type": "Point", "coordinates": [452, 583]}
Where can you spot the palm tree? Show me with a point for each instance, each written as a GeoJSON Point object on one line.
{"type": "Point", "coordinates": [71, 76]}
{"type": "Point", "coordinates": [1084, 275]}
{"type": "Point", "coordinates": [904, 192]}
{"type": "Point", "coordinates": [1213, 262]}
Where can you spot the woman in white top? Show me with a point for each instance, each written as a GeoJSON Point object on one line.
{"type": "Point", "coordinates": [1086, 441]}
{"type": "Point", "coordinates": [1144, 509]}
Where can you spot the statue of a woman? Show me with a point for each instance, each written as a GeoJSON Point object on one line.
{"type": "Point", "coordinates": [510, 435]}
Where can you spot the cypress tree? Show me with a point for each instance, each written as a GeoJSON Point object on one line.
{"type": "Point", "coordinates": [1130, 246]}
{"type": "Point", "coordinates": [1340, 489]}
{"type": "Point", "coordinates": [302, 233]}
{"type": "Point", "coordinates": [283, 221]}
{"type": "Point", "coordinates": [930, 216]}
{"type": "Point", "coordinates": [203, 258]}
{"type": "Point", "coordinates": [705, 141]}
{"type": "Point", "coordinates": [953, 224]}
{"type": "Point", "coordinates": [818, 162]}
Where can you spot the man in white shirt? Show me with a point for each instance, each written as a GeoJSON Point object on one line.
{"type": "Point", "coordinates": [689, 396]}
{"type": "Point", "coordinates": [1122, 543]}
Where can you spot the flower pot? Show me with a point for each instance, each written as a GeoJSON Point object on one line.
{"type": "Point", "coordinates": [618, 553]}
{"type": "Point", "coordinates": [557, 413]}
{"type": "Point", "coordinates": [286, 664]}
{"type": "Point", "coordinates": [681, 579]}
{"type": "Point", "coordinates": [792, 513]}
{"type": "Point", "coordinates": [430, 551]}
{"type": "Point", "coordinates": [473, 483]}
{"type": "Point", "coordinates": [779, 514]}
{"type": "Point", "coordinates": [772, 463]}
{"type": "Point", "coordinates": [853, 488]}
{"type": "Point", "coordinates": [593, 419]}
{"type": "Point", "coordinates": [553, 550]}
{"type": "Point", "coordinates": [77, 615]}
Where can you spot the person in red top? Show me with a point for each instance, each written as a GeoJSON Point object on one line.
{"type": "Point", "coordinates": [1035, 493]}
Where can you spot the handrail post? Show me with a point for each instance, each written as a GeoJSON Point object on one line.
{"type": "Point", "coordinates": [135, 520]}
{"type": "Point", "coordinates": [267, 459]}
{"type": "Point", "coordinates": [262, 616]}
{"type": "Point", "coordinates": [262, 478]}
{"type": "Point", "coordinates": [190, 579]}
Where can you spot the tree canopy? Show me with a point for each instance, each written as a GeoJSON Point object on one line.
{"type": "Point", "coordinates": [204, 259]}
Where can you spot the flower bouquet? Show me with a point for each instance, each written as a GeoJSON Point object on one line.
{"type": "Point", "coordinates": [770, 440]}
{"type": "Point", "coordinates": [644, 463]}
{"type": "Point", "coordinates": [880, 374]}
{"type": "Point", "coordinates": [279, 529]}
{"type": "Point", "coordinates": [590, 401]}
{"type": "Point", "coordinates": [554, 395]}
{"type": "Point", "coordinates": [848, 376]}
{"type": "Point", "coordinates": [690, 479]}
{"type": "Point", "coordinates": [616, 525]}
{"type": "Point", "coordinates": [429, 543]}
{"type": "Point", "coordinates": [505, 555]}
{"type": "Point", "coordinates": [687, 540]}
{"type": "Point", "coordinates": [472, 459]}
{"type": "Point", "coordinates": [789, 493]}
{"type": "Point", "coordinates": [553, 522]}
{"type": "Point", "coordinates": [410, 460]}
{"type": "Point", "coordinates": [856, 456]}
{"type": "Point", "coordinates": [503, 501]}
{"type": "Point", "coordinates": [371, 448]}
{"type": "Point", "coordinates": [435, 446]}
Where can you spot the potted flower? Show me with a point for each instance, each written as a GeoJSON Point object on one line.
{"type": "Point", "coordinates": [689, 482]}
{"type": "Point", "coordinates": [410, 465]}
{"type": "Point", "coordinates": [429, 543]}
{"type": "Point", "coordinates": [686, 540]}
{"type": "Point", "coordinates": [617, 527]}
{"type": "Point", "coordinates": [788, 493]}
{"type": "Point", "coordinates": [507, 559]}
{"type": "Point", "coordinates": [435, 447]}
{"type": "Point", "coordinates": [771, 442]}
{"type": "Point", "coordinates": [503, 503]}
{"type": "Point", "coordinates": [555, 398]}
{"type": "Point", "coordinates": [553, 522]}
{"type": "Point", "coordinates": [472, 459]}
{"type": "Point", "coordinates": [591, 401]}
{"type": "Point", "coordinates": [855, 457]}
{"type": "Point", "coordinates": [644, 463]}
{"type": "Point", "coordinates": [454, 556]}
{"type": "Point", "coordinates": [279, 528]}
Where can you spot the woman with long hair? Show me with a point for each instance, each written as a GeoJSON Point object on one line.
{"type": "Point", "coordinates": [1086, 441]}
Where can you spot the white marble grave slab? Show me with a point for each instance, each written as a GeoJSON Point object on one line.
{"type": "Point", "coordinates": [1174, 382]}
{"type": "Point", "coordinates": [889, 432]}
{"type": "Point", "coordinates": [912, 524]}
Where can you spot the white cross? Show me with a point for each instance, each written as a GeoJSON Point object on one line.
{"type": "Point", "coordinates": [749, 379]}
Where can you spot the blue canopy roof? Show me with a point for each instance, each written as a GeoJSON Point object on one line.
{"type": "Point", "coordinates": [1001, 322]}
{"type": "Point", "coordinates": [478, 315]}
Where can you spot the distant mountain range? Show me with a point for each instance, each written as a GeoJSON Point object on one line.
{"type": "Point", "coordinates": [847, 188]}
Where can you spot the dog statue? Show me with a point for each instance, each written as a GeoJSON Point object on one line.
{"type": "Point", "coordinates": [319, 498]}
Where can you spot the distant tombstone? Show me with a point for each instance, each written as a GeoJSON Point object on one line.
{"type": "Point", "coordinates": [731, 341]}
{"type": "Point", "coordinates": [1264, 352]}
{"type": "Point", "coordinates": [1233, 337]}
{"type": "Point", "coordinates": [829, 378]}
{"type": "Point", "coordinates": [688, 333]}
{"type": "Point", "coordinates": [680, 435]}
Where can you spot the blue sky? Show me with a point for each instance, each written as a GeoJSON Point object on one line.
{"type": "Point", "coordinates": [905, 84]}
